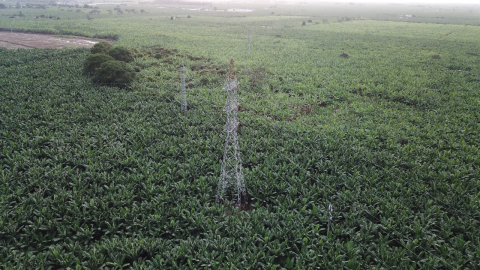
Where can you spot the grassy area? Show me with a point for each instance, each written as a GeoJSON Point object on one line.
{"type": "Point", "coordinates": [360, 109]}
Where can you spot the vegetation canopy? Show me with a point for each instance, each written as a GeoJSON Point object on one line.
{"type": "Point", "coordinates": [94, 61]}
{"type": "Point", "coordinates": [368, 109]}
{"type": "Point", "coordinates": [121, 54]}
{"type": "Point", "coordinates": [101, 47]}
{"type": "Point", "coordinates": [113, 72]}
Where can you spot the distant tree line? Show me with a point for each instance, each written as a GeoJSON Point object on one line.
{"type": "Point", "coordinates": [180, 2]}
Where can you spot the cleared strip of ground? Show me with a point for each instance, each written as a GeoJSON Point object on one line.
{"type": "Point", "coordinates": [13, 40]}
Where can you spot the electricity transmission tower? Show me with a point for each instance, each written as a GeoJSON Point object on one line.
{"type": "Point", "coordinates": [231, 174]}
{"type": "Point", "coordinates": [249, 42]}
{"type": "Point", "coordinates": [184, 90]}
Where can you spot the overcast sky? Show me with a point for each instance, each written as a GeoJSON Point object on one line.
{"type": "Point", "coordinates": [477, 2]}
{"type": "Point", "coordinates": [404, 1]}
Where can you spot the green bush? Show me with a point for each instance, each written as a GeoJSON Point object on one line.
{"type": "Point", "coordinates": [114, 72]}
{"type": "Point", "coordinates": [101, 47]}
{"type": "Point", "coordinates": [121, 54]}
{"type": "Point", "coordinates": [94, 61]}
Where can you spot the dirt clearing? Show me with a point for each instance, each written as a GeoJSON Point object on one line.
{"type": "Point", "coordinates": [14, 40]}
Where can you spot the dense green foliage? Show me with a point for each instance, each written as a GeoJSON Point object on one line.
{"type": "Point", "coordinates": [114, 73]}
{"type": "Point", "coordinates": [94, 61]}
{"type": "Point", "coordinates": [101, 47]}
{"type": "Point", "coordinates": [121, 54]}
{"type": "Point", "coordinates": [110, 69]}
{"type": "Point", "coordinates": [94, 176]}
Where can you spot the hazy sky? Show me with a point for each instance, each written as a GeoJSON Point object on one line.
{"type": "Point", "coordinates": [405, 1]}
{"type": "Point", "coordinates": [476, 2]}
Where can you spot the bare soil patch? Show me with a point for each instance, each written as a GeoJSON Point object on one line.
{"type": "Point", "coordinates": [13, 40]}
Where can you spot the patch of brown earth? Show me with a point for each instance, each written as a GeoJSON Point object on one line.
{"type": "Point", "coordinates": [13, 40]}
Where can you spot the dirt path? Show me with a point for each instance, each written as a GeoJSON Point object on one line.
{"type": "Point", "coordinates": [14, 40]}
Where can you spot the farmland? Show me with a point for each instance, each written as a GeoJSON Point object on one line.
{"type": "Point", "coordinates": [11, 40]}
{"type": "Point", "coordinates": [364, 108]}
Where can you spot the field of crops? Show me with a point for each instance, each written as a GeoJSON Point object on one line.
{"type": "Point", "coordinates": [374, 114]}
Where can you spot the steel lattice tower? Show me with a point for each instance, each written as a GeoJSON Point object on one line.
{"type": "Point", "coordinates": [231, 174]}
{"type": "Point", "coordinates": [184, 89]}
{"type": "Point", "coordinates": [249, 42]}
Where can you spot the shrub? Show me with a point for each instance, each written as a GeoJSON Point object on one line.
{"type": "Point", "coordinates": [94, 61]}
{"type": "Point", "coordinates": [114, 72]}
{"type": "Point", "coordinates": [101, 47]}
{"type": "Point", "coordinates": [121, 54]}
